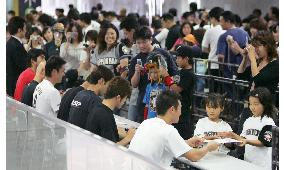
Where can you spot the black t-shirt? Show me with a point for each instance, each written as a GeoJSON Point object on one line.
{"type": "Point", "coordinates": [27, 97]}
{"type": "Point", "coordinates": [66, 101]}
{"type": "Point", "coordinates": [186, 82]}
{"type": "Point", "coordinates": [173, 35]}
{"type": "Point", "coordinates": [101, 122]}
{"type": "Point", "coordinates": [267, 77]}
{"type": "Point", "coordinates": [81, 106]}
{"type": "Point", "coordinates": [172, 70]}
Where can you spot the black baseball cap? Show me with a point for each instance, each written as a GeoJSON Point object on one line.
{"type": "Point", "coordinates": [184, 51]}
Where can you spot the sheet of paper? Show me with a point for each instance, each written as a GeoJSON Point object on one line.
{"type": "Point", "coordinates": [224, 140]}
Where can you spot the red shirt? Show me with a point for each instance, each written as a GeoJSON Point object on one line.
{"type": "Point", "coordinates": [25, 78]}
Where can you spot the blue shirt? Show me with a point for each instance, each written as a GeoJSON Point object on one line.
{"type": "Point", "coordinates": [152, 91]}
{"type": "Point", "coordinates": [241, 37]}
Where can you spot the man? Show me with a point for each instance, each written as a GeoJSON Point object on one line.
{"type": "Point", "coordinates": [16, 55]}
{"type": "Point", "coordinates": [85, 100]}
{"type": "Point", "coordinates": [10, 14]}
{"type": "Point", "coordinates": [184, 85]}
{"type": "Point", "coordinates": [159, 141]}
{"type": "Point", "coordinates": [68, 97]}
{"type": "Point", "coordinates": [46, 98]}
{"type": "Point", "coordinates": [137, 74]}
{"type": "Point", "coordinates": [225, 54]}
{"type": "Point", "coordinates": [101, 120]}
{"type": "Point", "coordinates": [85, 21]}
{"type": "Point", "coordinates": [53, 47]}
{"type": "Point", "coordinates": [59, 12]}
{"type": "Point", "coordinates": [27, 97]}
{"type": "Point", "coordinates": [36, 56]}
{"type": "Point", "coordinates": [174, 30]}
{"type": "Point", "coordinates": [210, 39]}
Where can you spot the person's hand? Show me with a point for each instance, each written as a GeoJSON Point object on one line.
{"type": "Point", "coordinates": [124, 74]}
{"type": "Point", "coordinates": [229, 134]}
{"type": "Point", "coordinates": [40, 70]}
{"type": "Point", "coordinates": [235, 47]}
{"type": "Point", "coordinates": [212, 146]}
{"type": "Point", "coordinates": [130, 133]}
{"type": "Point", "coordinates": [243, 142]}
{"type": "Point", "coordinates": [195, 141]}
{"type": "Point", "coordinates": [138, 68]}
{"type": "Point", "coordinates": [251, 52]}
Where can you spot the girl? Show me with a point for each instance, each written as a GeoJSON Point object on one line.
{"type": "Point", "coordinates": [209, 127]}
{"type": "Point", "coordinates": [257, 147]}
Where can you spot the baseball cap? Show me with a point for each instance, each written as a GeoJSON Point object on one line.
{"type": "Point", "coordinates": [184, 51]}
{"type": "Point", "coordinates": [190, 38]}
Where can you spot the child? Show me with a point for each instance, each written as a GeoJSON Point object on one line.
{"type": "Point", "coordinates": [184, 85]}
{"type": "Point", "coordinates": [209, 127]}
{"type": "Point", "coordinates": [256, 134]}
{"type": "Point", "coordinates": [155, 87]}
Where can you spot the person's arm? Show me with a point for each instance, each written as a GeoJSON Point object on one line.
{"type": "Point", "coordinates": [254, 143]}
{"type": "Point", "coordinates": [197, 154]}
{"type": "Point", "coordinates": [205, 50]}
{"type": "Point", "coordinates": [54, 100]}
{"type": "Point", "coordinates": [252, 57]}
{"type": "Point", "coordinates": [129, 135]}
{"type": "Point", "coordinates": [221, 48]}
{"type": "Point", "coordinates": [136, 77]}
{"type": "Point", "coordinates": [162, 35]}
{"type": "Point", "coordinates": [176, 88]}
{"type": "Point", "coordinates": [205, 42]}
{"type": "Point", "coordinates": [242, 66]}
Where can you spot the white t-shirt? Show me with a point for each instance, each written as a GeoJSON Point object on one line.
{"type": "Point", "coordinates": [46, 98]}
{"type": "Point", "coordinates": [210, 39]}
{"type": "Point", "coordinates": [260, 156]}
{"type": "Point", "coordinates": [158, 141]}
{"type": "Point", "coordinates": [73, 55]}
{"type": "Point", "coordinates": [207, 127]}
{"type": "Point", "coordinates": [162, 36]}
{"type": "Point", "coordinates": [93, 26]}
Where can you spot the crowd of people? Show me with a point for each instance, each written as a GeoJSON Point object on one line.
{"type": "Point", "coordinates": [83, 67]}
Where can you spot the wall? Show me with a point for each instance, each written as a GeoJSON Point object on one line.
{"type": "Point", "coordinates": [241, 7]}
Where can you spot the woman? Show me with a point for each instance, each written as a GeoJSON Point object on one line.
{"type": "Point", "coordinates": [73, 51]}
{"type": "Point", "coordinates": [264, 65]}
{"type": "Point", "coordinates": [35, 40]}
{"type": "Point", "coordinates": [185, 29]}
{"type": "Point", "coordinates": [108, 51]}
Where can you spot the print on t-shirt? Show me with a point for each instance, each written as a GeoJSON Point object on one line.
{"type": "Point", "coordinates": [107, 61]}
{"type": "Point", "coordinates": [153, 96]}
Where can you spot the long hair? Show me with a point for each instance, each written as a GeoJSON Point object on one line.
{"type": "Point", "coordinates": [266, 39]}
{"type": "Point", "coordinates": [265, 98]}
{"type": "Point", "coordinates": [102, 46]}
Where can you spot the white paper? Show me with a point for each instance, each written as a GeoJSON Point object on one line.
{"type": "Point", "coordinates": [224, 140]}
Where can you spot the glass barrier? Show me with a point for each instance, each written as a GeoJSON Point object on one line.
{"type": "Point", "coordinates": [37, 142]}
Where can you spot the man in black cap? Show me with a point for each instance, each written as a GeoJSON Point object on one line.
{"type": "Point", "coordinates": [184, 85]}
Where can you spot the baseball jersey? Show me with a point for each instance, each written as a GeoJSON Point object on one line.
{"type": "Point", "coordinates": [260, 156]}
{"type": "Point", "coordinates": [207, 127]}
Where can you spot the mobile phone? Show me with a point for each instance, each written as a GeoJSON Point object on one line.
{"type": "Point", "coordinates": [139, 62]}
